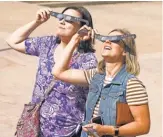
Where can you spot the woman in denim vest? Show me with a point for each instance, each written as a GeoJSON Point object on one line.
{"type": "Point", "coordinates": [63, 109]}
{"type": "Point", "coordinates": [114, 80]}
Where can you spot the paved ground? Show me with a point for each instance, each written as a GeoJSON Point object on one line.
{"type": "Point", "coordinates": [17, 71]}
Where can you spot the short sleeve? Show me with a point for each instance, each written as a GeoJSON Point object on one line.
{"type": "Point", "coordinates": [33, 45]}
{"type": "Point", "coordinates": [136, 92]}
{"type": "Point", "coordinates": [89, 74]}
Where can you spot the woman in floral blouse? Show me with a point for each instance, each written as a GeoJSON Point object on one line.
{"type": "Point", "coordinates": [64, 107]}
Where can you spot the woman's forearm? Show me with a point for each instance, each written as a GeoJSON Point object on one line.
{"type": "Point", "coordinates": [134, 129]}
{"type": "Point", "coordinates": [131, 129]}
{"type": "Point", "coordinates": [22, 33]}
{"type": "Point", "coordinates": [62, 65]}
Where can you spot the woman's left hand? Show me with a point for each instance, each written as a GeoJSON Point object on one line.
{"type": "Point", "coordinates": [95, 127]}
{"type": "Point", "coordinates": [85, 32]}
{"type": "Point", "coordinates": [82, 35]}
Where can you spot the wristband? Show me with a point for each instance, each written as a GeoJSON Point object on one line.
{"type": "Point", "coordinates": [116, 131]}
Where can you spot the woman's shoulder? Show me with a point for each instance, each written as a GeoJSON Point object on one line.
{"type": "Point", "coordinates": [50, 41]}
{"type": "Point", "coordinates": [136, 93]}
{"type": "Point", "coordinates": [135, 80]}
{"type": "Point", "coordinates": [49, 38]}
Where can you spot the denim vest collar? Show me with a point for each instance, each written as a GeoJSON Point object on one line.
{"type": "Point", "coordinates": [118, 79]}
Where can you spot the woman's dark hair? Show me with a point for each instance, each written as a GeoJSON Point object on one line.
{"type": "Point", "coordinates": [85, 46]}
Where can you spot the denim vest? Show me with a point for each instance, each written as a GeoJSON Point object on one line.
{"type": "Point", "coordinates": [110, 94]}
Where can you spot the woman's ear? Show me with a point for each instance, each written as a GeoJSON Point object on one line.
{"type": "Point", "coordinates": [124, 53]}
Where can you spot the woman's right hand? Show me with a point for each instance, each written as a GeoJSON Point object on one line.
{"type": "Point", "coordinates": [43, 15]}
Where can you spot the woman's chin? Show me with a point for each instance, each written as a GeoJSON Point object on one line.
{"type": "Point", "coordinates": [61, 34]}
{"type": "Point", "coordinates": [104, 55]}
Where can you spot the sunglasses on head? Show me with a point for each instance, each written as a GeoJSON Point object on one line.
{"type": "Point", "coordinates": [68, 18]}
{"type": "Point", "coordinates": [114, 39]}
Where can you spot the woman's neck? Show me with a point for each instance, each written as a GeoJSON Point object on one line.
{"type": "Point", "coordinates": [65, 41]}
{"type": "Point", "coordinates": [63, 44]}
{"type": "Point", "coordinates": [113, 68]}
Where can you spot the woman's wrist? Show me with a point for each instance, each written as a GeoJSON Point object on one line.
{"type": "Point", "coordinates": [108, 130]}
{"type": "Point", "coordinates": [37, 23]}
{"type": "Point", "coordinates": [75, 40]}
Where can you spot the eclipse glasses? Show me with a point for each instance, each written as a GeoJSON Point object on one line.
{"type": "Point", "coordinates": [68, 18]}
{"type": "Point", "coordinates": [115, 39]}
{"type": "Point", "coordinates": [103, 38]}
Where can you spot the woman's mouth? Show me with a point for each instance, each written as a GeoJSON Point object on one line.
{"type": "Point", "coordinates": [107, 48]}
{"type": "Point", "coordinates": [60, 27]}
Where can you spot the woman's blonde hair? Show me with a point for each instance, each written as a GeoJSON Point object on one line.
{"type": "Point", "coordinates": [132, 64]}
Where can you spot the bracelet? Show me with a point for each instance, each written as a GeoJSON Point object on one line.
{"type": "Point", "coordinates": [116, 131]}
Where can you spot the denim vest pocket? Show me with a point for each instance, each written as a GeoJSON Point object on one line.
{"type": "Point", "coordinates": [114, 97]}
{"type": "Point", "coordinates": [110, 111]}
{"type": "Point", "coordinates": [115, 94]}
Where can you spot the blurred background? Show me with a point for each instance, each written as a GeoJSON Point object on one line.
{"type": "Point", "coordinates": [17, 71]}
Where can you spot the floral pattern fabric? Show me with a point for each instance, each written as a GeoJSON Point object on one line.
{"type": "Point", "coordinates": [64, 108]}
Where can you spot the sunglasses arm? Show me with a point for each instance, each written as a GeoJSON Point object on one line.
{"type": "Point", "coordinates": [53, 14]}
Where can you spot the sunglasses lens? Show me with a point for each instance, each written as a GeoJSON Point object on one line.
{"type": "Point", "coordinates": [115, 41]}
{"type": "Point", "coordinates": [68, 19]}
{"type": "Point", "coordinates": [60, 16]}
{"type": "Point", "coordinates": [103, 39]}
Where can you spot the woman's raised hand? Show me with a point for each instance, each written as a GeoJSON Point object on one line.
{"type": "Point", "coordinates": [43, 15]}
{"type": "Point", "coordinates": [84, 33]}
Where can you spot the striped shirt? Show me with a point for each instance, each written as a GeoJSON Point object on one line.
{"type": "Point", "coordinates": [135, 94]}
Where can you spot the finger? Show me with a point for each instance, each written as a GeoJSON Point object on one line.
{"type": "Point", "coordinates": [77, 37]}
{"type": "Point", "coordinates": [48, 11]}
{"type": "Point", "coordinates": [93, 37]}
{"type": "Point", "coordinates": [44, 14]}
{"type": "Point", "coordinates": [96, 31]}
{"type": "Point", "coordinates": [41, 14]}
{"type": "Point", "coordinates": [38, 14]}
{"type": "Point", "coordinates": [47, 14]}
{"type": "Point", "coordinates": [88, 125]}
{"type": "Point", "coordinates": [86, 129]}
{"type": "Point", "coordinates": [90, 28]}
{"type": "Point", "coordinates": [92, 33]}
{"type": "Point", "coordinates": [85, 27]}
{"type": "Point", "coordinates": [87, 37]}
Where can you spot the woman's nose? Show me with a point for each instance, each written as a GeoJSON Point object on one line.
{"type": "Point", "coordinates": [108, 41]}
{"type": "Point", "coordinates": [62, 21]}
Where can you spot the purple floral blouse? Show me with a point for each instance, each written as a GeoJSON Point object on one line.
{"type": "Point", "coordinates": [64, 107]}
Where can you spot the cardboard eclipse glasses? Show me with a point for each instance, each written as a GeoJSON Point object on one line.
{"type": "Point", "coordinates": [68, 18]}
{"type": "Point", "coordinates": [103, 38]}
{"type": "Point", "coordinates": [115, 39]}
